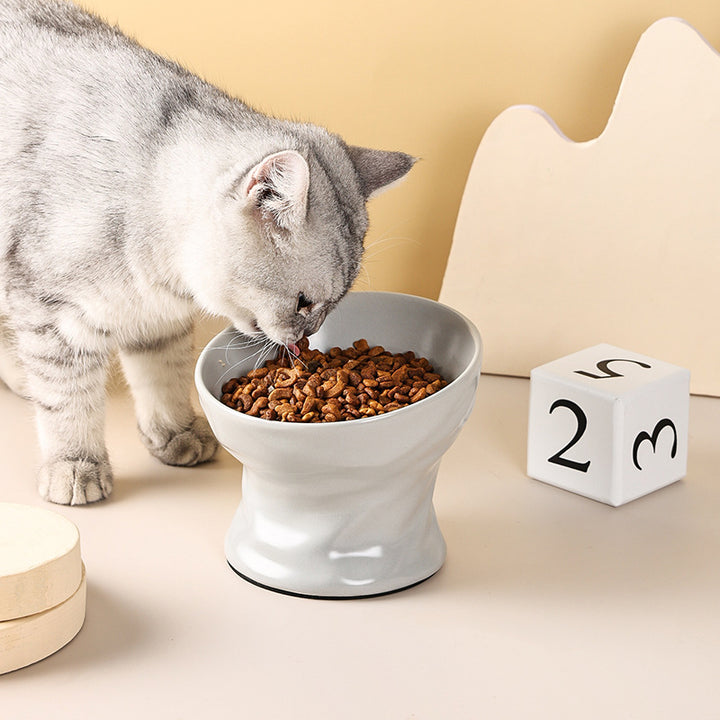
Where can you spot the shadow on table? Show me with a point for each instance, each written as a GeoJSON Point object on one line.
{"type": "Point", "coordinates": [222, 475]}
{"type": "Point", "coordinates": [545, 542]}
{"type": "Point", "coordinates": [113, 630]}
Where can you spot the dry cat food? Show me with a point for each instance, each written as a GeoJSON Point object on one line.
{"type": "Point", "coordinates": [360, 381]}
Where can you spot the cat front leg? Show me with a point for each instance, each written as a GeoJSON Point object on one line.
{"type": "Point", "coordinates": [159, 373]}
{"type": "Point", "coordinates": [67, 387]}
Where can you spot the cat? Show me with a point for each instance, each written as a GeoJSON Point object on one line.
{"type": "Point", "coordinates": [133, 195]}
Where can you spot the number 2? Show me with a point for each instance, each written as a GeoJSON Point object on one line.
{"type": "Point", "coordinates": [581, 418]}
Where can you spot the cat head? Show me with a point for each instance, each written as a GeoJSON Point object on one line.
{"type": "Point", "coordinates": [290, 235]}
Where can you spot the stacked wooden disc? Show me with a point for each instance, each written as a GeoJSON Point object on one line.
{"type": "Point", "coordinates": [42, 584]}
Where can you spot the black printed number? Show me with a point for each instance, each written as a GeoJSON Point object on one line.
{"type": "Point", "coordinates": [652, 439]}
{"type": "Point", "coordinates": [604, 368]}
{"type": "Point", "coordinates": [581, 418]}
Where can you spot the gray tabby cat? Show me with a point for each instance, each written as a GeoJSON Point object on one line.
{"type": "Point", "coordinates": [132, 194]}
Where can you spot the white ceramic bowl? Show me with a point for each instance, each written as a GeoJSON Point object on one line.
{"type": "Point", "coordinates": [344, 509]}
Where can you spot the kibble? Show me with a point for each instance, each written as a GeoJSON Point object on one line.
{"type": "Point", "coordinates": [341, 384]}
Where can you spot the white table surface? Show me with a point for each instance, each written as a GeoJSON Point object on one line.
{"type": "Point", "coordinates": [550, 605]}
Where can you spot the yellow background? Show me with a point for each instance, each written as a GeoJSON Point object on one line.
{"type": "Point", "coordinates": [414, 75]}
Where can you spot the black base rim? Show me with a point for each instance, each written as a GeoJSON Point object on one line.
{"type": "Point", "coordinates": [329, 597]}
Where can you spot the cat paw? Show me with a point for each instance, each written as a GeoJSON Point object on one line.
{"type": "Point", "coordinates": [75, 481]}
{"type": "Point", "coordinates": [191, 446]}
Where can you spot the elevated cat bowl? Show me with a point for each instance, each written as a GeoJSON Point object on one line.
{"type": "Point", "coordinates": [344, 509]}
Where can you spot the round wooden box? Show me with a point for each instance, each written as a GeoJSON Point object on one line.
{"type": "Point", "coordinates": [42, 584]}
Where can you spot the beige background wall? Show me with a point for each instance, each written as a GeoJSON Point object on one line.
{"type": "Point", "coordinates": [422, 76]}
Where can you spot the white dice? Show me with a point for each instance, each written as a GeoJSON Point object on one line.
{"type": "Point", "coordinates": [608, 423]}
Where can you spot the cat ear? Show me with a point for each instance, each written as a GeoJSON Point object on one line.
{"type": "Point", "coordinates": [378, 169]}
{"type": "Point", "coordinates": [279, 187]}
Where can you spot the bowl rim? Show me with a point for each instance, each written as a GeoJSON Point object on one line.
{"type": "Point", "coordinates": [476, 360]}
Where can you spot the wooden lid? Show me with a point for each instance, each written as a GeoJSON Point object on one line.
{"type": "Point", "coordinates": [40, 563]}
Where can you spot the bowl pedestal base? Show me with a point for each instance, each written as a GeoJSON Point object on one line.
{"type": "Point", "coordinates": [364, 534]}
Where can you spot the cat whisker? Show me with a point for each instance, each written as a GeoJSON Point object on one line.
{"type": "Point", "coordinates": [392, 238]}
{"type": "Point", "coordinates": [373, 251]}
{"type": "Point", "coordinates": [260, 343]}
{"type": "Point", "coordinates": [363, 279]}
{"type": "Point", "coordinates": [265, 352]}
{"type": "Point", "coordinates": [240, 342]}
{"type": "Point", "coordinates": [384, 244]}
{"type": "Point", "coordinates": [239, 345]}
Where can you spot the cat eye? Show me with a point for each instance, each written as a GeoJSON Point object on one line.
{"type": "Point", "coordinates": [303, 302]}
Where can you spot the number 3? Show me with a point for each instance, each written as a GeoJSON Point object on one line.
{"type": "Point", "coordinates": [652, 439]}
